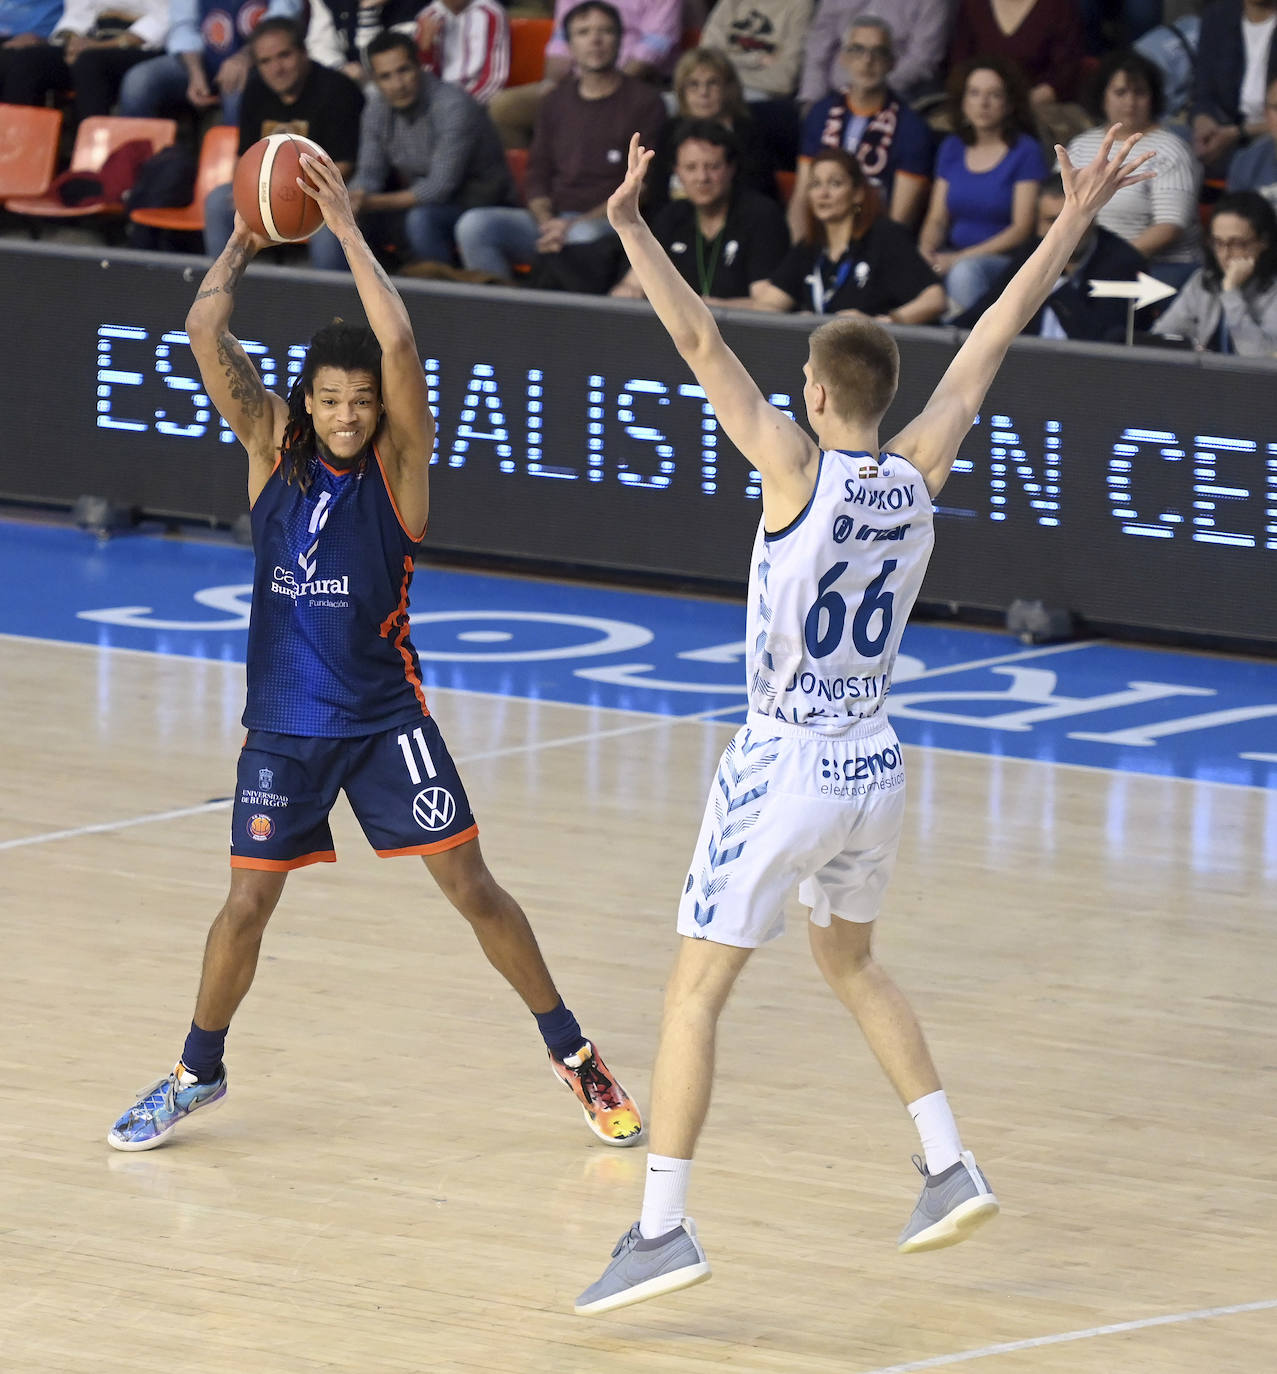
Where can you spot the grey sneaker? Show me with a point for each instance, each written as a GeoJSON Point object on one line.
{"type": "Point", "coordinates": [951, 1206]}
{"type": "Point", "coordinates": [643, 1269]}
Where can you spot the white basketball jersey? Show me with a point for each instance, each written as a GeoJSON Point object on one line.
{"type": "Point", "coordinates": [830, 595]}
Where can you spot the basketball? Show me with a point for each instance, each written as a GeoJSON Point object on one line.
{"type": "Point", "coordinates": [266, 192]}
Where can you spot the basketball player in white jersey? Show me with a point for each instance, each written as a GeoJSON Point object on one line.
{"type": "Point", "coordinates": [810, 792]}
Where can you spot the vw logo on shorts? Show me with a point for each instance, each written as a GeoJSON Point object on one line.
{"type": "Point", "coordinates": [433, 808]}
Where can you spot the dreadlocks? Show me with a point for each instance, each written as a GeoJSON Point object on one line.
{"type": "Point", "coordinates": [347, 347]}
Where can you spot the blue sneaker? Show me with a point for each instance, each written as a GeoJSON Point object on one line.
{"type": "Point", "coordinates": [643, 1269]}
{"type": "Point", "coordinates": [148, 1123]}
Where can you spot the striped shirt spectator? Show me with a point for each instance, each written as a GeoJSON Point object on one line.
{"type": "Point", "coordinates": [466, 43]}
{"type": "Point", "coordinates": [1168, 198]}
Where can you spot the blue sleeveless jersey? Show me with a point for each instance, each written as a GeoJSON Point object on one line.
{"type": "Point", "coordinates": [328, 648]}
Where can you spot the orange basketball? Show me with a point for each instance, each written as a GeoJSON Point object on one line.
{"type": "Point", "coordinates": [266, 192]}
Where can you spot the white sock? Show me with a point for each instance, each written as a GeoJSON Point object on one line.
{"type": "Point", "coordinates": [937, 1130]}
{"type": "Point", "coordinates": [664, 1195]}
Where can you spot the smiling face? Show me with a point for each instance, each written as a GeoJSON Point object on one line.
{"type": "Point", "coordinates": [345, 409]}
{"type": "Point", "coordinates": [282, 65]}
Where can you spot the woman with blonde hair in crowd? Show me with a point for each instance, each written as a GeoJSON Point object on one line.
{"type": "Point", "coordinates": [853, 260]}
{"type": "Point", "coordinates": [706, 87]}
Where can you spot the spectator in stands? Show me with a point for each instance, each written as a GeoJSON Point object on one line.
{"type": "Point", "coordinates": [466, 42]}
{"type": "Point", "coordinates": [853, 259]}
{"type": "Point", "coordinates": [86, 46]}
{"type": "Point", "coordinates": [1236, 62]}
{"type": "Point", "coordinates": [1230, 304]}
{"type": "Point", "coordinates": [985, 194]}
{"type": "Point", "coordinates": [206, 62]}
{"type": "Point", "coordinates": [650, 33]}
{"type": "Point", "coordinates": [1159, 216]}
{"type": "Point", "coordinates": [427, 153]}
{"type": "Point", "coordinates": [1044, 40]}
{"type": "Point", "coordinates": [1255, 166]}
{"type": "Point", "coordinates": [288, 93]}
{"type": "Point", "coordinates": [578, 155]}
{"type": "Point", "coordinates": [866, 117]}
{"type": "Point", "coordinates": [339, 31]}
{"type": "Point", "coordinates": [723, 236]}
{"type": "Point", "coordinates": [919, 29]}
{"type": "Point", "coordinates": [764, 40]}
{"type": "Point", "coordinates": [1071, 312]}
{"type": "Point", "coordinates": [706, 87]}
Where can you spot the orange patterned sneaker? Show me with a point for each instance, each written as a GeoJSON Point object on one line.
{"type": "Point", "coordinates": [609, 1110]}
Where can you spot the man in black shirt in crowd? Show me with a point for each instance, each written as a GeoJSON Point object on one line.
{"type": "Point", "coordinates": [287, 93]}
{"type": "Point", "coordinates": [724, 236]}
{"type": "Point", "coordinates": [1070, 311]}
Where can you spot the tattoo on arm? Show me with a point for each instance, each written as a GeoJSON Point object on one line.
{"type": "Point", "coordinates": [235, 260]}
{"type": "Point", "coordinates": [246, 386]}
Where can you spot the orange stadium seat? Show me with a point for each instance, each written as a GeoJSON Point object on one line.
{"type": "Point", "coordinates": [528, 38]}
{"type": "Point", "coordinates": [28, 149]}
{"type": "Point", "coordinates": [518, 160]}
{"type": "Point", "coordinates": [96, 139]}
{"type": "Point", "coordinates": [785, 185]}
{"type": "Point", "coordinates": [217, 166]}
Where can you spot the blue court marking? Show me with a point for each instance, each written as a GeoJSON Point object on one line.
{"type": "Point", "coordinates": [1105, 705]}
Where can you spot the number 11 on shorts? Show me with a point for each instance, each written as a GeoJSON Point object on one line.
{"type": "Point", "coordinates": [405, 745]}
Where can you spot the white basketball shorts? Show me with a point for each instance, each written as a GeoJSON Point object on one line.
{"type": "Point", "coordinates": [790, 808]}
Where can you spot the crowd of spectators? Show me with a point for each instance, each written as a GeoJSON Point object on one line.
{"type": "Point", "coordinates": [894, 158]}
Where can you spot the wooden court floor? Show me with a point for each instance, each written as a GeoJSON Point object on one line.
{"type": "Point", "coordinates": [396, 1183]}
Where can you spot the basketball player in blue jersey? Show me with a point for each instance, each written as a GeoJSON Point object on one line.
{"type": "Point", "coordinates": [810, 792]}
{"type": "Point", "coordinates": [339, 495]}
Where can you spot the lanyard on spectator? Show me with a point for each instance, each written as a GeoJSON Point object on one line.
{"type": "Point", "coordinates": [703, 276]}
{"type": "Point", "coordinates": [819, 296]}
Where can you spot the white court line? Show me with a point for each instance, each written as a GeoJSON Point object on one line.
{"type": "Point", "coordinates": [649, 721]}
{"type": "Point", "coordinates": [1062, 1337]}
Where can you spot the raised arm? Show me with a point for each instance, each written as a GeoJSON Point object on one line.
{"type": "Point", "coordinates": [257, 416]}
{"type": "Point", "coordinates": [785, 457]}
{"type": "Point", "coordinates": [931, 441]}
{"type": "Point", "coordinates": [408, 427]}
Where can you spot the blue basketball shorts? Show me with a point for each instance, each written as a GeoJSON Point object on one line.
{"type": "Point", "coordinates": [402, 786]}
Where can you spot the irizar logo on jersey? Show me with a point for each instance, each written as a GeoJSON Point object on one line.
{"type": "Point", "coordinates": [844, 526]}
{"type": "Point", "coordinates": [879, 498]}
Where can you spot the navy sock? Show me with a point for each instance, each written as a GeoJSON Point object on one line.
{"type": "Point", "coordinates": [202, 1053]}
{"type": "Point", "coordinates": [559, 1030]}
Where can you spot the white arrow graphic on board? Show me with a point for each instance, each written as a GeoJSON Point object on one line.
{"type": "Point", "coordinates": [1145, 290]}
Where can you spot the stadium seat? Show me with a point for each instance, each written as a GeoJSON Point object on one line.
{"type": "Point", "coordinates": [217, 165]}
{"type": "Point", "coordinates": [689, 39]}
{"type": "Point", "coordinates": [785, 185]}
{"type": "Point", "coordinates": [528, 38]}
{"type": "Point", "coordinates": [97, 138]}
{"type": "Point", "coordinates": [518, 160]}
{"type": "Point", "coordinates": [28, 149]}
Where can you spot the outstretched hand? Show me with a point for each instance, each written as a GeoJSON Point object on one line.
{"type": "Point", "coordinates": [623, 203]}
{"type": "Point", "coordinates": [1090, 188]}
{"type": "Point", "coordinates": [323, 183]}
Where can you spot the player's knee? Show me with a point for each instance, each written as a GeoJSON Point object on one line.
{"type": "Point", "coordinates": [246, 913]}
{"type": "Point", "coordinates": [474, 892]}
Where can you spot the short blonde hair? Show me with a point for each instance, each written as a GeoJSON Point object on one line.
{"type": "Point", "coordinates": [858, 364]}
